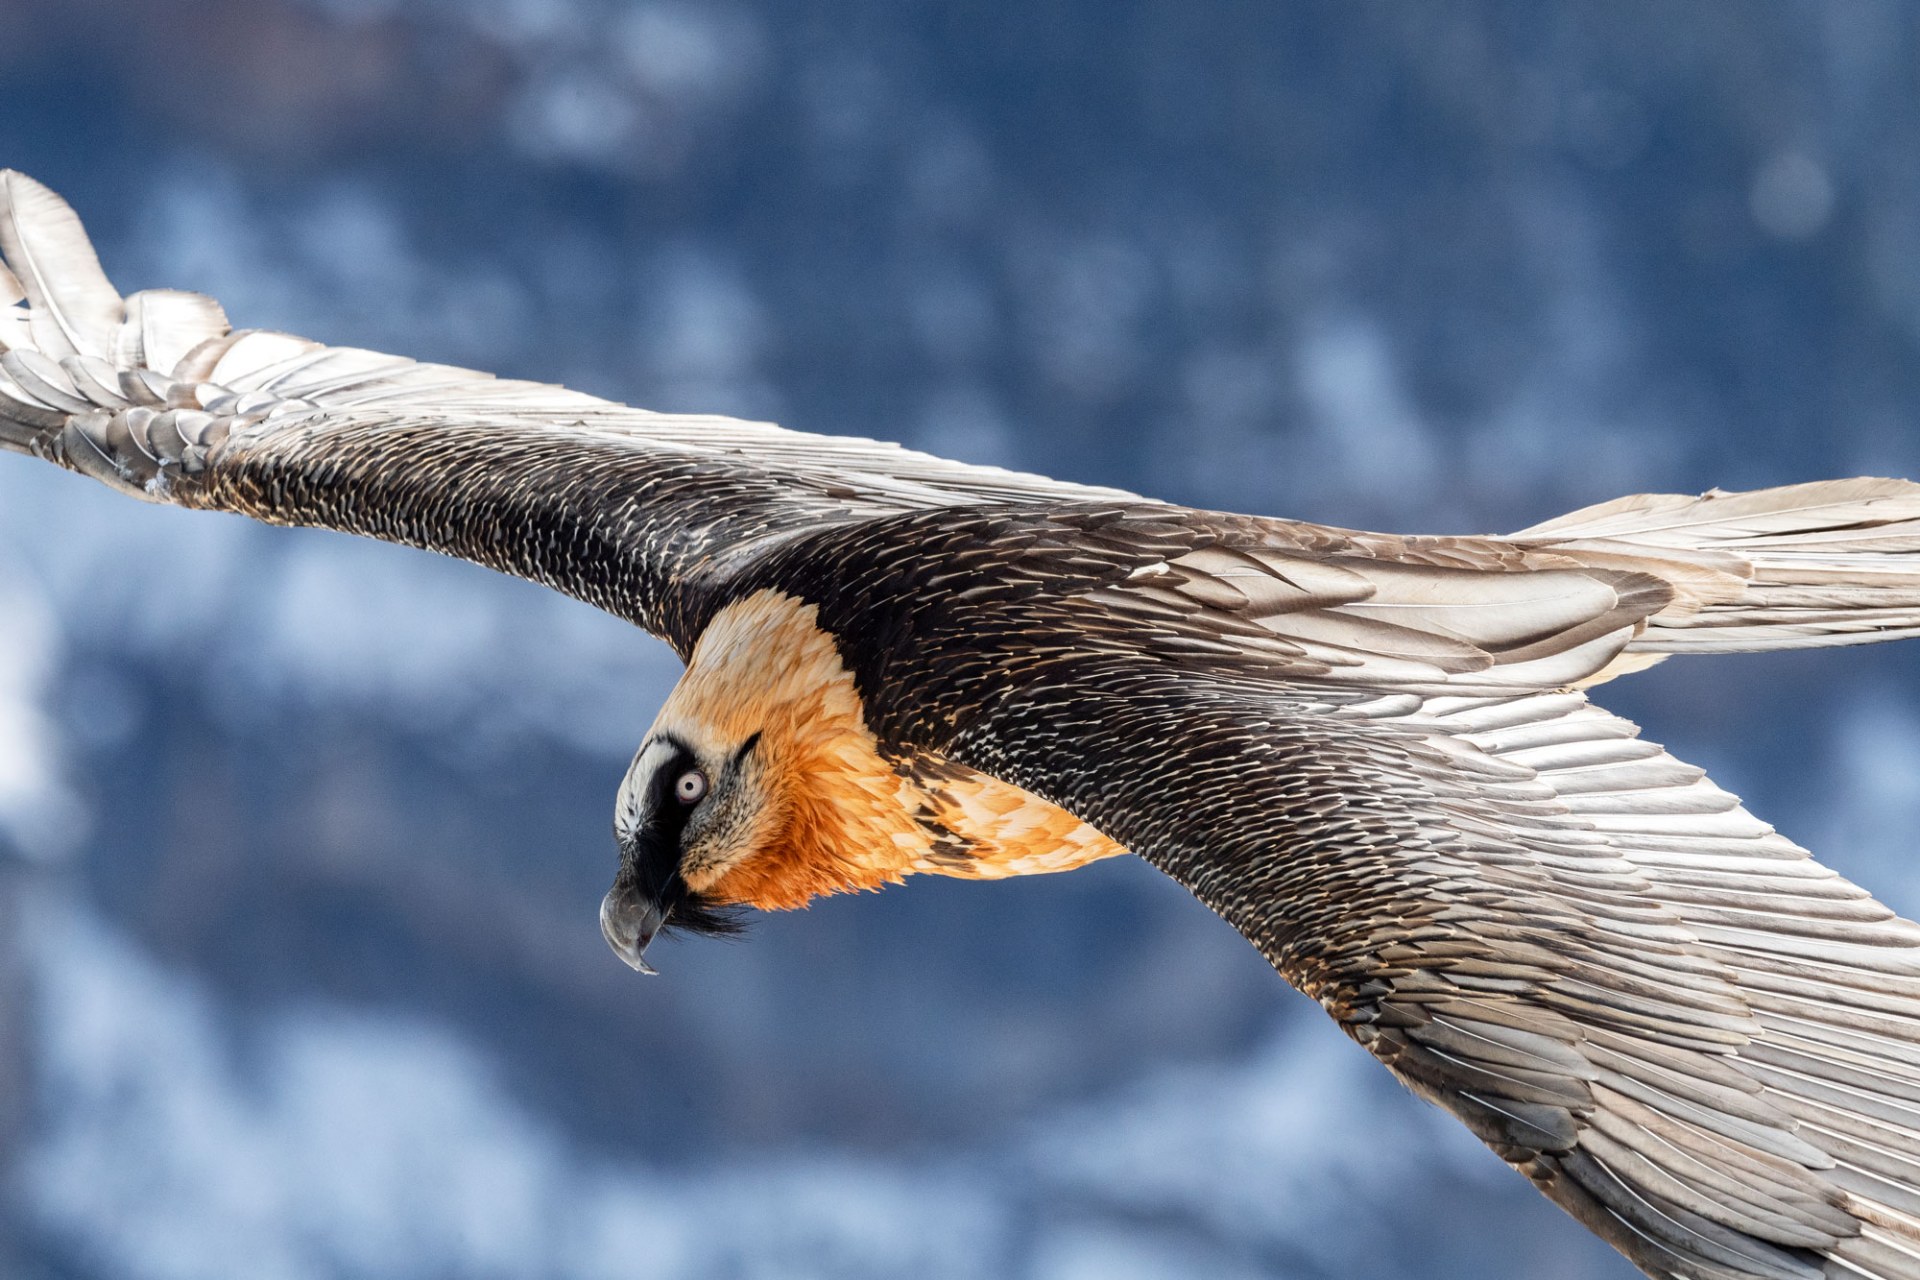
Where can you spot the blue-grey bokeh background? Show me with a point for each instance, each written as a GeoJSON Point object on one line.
{"type": "Point", "coordinates": [299, 969]}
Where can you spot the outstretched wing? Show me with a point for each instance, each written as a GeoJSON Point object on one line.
{"type": "Point", "coordinates": [1689, 1034]}
{"type": "Point", "coordinates": [640, 513]}
{"type": "Point", "coordinates": [1368, 755]}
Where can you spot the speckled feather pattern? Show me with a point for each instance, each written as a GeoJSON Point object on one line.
{"type": "Point", "coordinates": [1370, 753]}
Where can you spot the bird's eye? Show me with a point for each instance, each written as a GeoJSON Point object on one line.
{"type": "Point", "coordinates": [691, 787]}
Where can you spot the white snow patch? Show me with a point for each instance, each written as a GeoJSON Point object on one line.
{"type": "Point", "coordinates": [177, 1142]}
{"type": "Point", "coordinates": [322, 1143]}
{"type": "Point", "coordinates": [39, 816]}
{"type": "Point", "coordinates": [1266, 1149]}
{"type": "Point", "coordinates": [260, 618]}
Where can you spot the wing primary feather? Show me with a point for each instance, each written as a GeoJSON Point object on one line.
{"type": "Point", "coordinates": [73, 310]}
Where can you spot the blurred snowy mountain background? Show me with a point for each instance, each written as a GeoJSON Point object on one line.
{"type": "Point", "coordinates": [299, 971]}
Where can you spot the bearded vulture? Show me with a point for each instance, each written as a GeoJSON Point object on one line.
{"type": "Point", "coordinates": [1372, 754]}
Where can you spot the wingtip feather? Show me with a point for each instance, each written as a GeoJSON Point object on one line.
{"type": "Point", "coordinates": [74, 309]}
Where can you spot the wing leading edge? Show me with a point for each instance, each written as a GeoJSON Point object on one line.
{"type": "Point", "coordinates": [636, 512]}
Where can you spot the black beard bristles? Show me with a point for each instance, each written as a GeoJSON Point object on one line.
{"type": "Point", "coordinates": [700, 916]}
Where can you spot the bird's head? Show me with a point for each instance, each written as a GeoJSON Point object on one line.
{"type": "Point", "coordinates": [758, 786]}
{"type": "Point", "coordinates": [687, 813]}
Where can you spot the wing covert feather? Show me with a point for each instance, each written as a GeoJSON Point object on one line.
{"type": "Point", "coordinates": [1685, 1031]}
{"type": "Point", "coordinates": [641, 513]}
{"type": "Point", "coordinates": [1689, 1034]}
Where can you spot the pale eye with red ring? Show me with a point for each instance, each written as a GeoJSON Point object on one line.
{"type": "Point", "coordinates": [691, 787]}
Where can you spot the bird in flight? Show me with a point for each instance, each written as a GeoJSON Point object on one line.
{"type": "Point", "coordinates": [1372, 754]}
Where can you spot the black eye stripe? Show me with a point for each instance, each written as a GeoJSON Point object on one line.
{"type": "Point", "coordinates": [651, 856]}
{"type": "Point", "coordinates": [670, 813]}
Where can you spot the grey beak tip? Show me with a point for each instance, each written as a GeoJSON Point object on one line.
{"type": "Point", "coordinates": [628, 924]}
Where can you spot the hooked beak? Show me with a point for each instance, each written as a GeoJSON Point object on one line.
{"type": "Point", "coordinates": [628, 922]}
